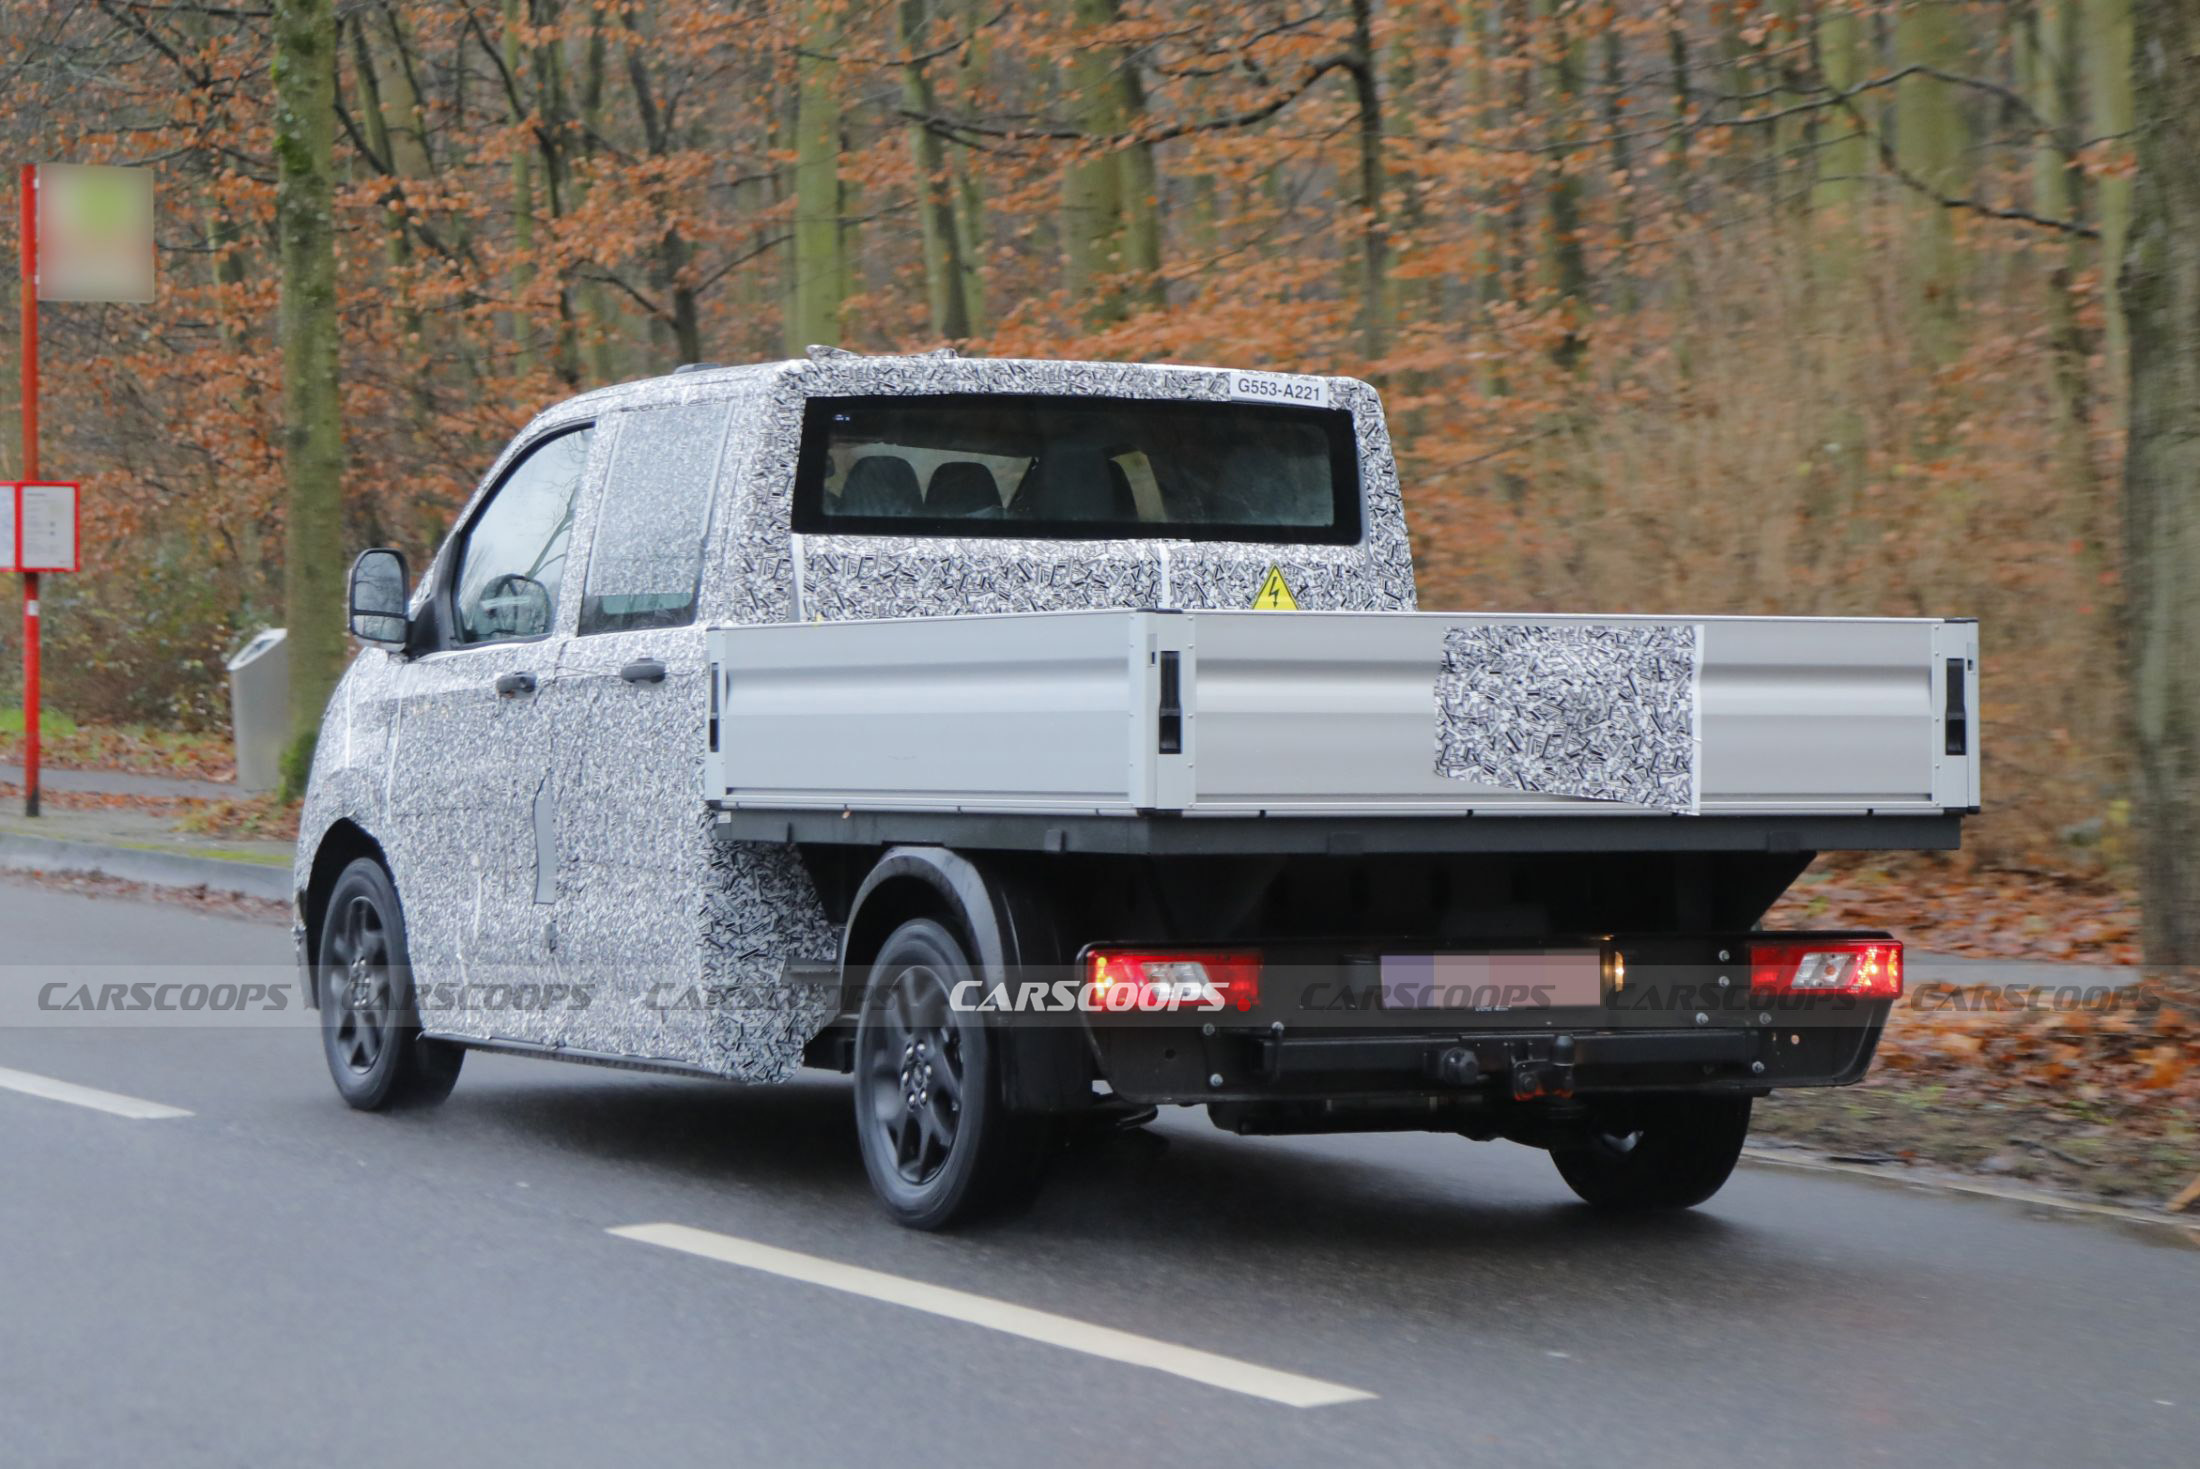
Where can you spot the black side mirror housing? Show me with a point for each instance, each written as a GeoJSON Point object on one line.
{"type": "Point", "coordinates": [379, 586]}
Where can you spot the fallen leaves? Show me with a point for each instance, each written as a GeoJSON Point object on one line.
{"type": "Point", "coordinates": [134, 748]}
{"type": "Point", "coordinates": [1977, 912]}
{"type": "Point", "coordinates": [2098, 1077]}
{"type": "Point", "coordinates": [258, 818]}
{"type": "Point", "coordinates": [262, 817]}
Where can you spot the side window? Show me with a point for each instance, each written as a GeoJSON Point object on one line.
{"type": "Point", "coordinates": [647, 555]}
{"type": "Point", "coordinates": [514, 561]}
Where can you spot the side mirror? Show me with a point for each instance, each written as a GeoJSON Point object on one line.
{"type": "Point", "coordinates": [379, 582]}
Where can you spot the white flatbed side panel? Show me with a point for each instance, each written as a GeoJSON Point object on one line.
{"type": "Point", "coordinates": [1331, 712]}
{"type": "Point", "coordinates": [1798, 711]}
{"type": "Point", "coordinates": [1314, 713]}
{"type": "Point", "coordinates": [1014, 712]}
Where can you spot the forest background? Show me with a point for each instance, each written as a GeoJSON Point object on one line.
{"type": "Point", "coordinates": [1690, 306]}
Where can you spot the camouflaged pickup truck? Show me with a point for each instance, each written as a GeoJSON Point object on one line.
{"type": "Point", "coordinates": [1044, 743]}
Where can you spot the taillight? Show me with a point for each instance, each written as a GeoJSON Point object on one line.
{"type": "Point", "coordinates": [1869, 969]}
{"type": "Point", "coordinates": [1120, 980]}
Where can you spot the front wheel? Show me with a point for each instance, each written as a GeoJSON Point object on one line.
{"type": "Point", "coordinates": [1656, 1153]}
{"type": "Point", "coordinates": [940, 1142]}
{"type": "Point", "coordinates": [369, 1029]}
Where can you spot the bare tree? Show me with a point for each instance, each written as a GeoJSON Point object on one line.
{"type": "Point", "coordinates": [2161, 297]}
{"type": "Point", "coordinates": [313, 447]}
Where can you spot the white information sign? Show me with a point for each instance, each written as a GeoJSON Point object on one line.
{"type": "Point", "coordinates": [45, 520]}
{"type": "Point", "coordinates": [7, 528]}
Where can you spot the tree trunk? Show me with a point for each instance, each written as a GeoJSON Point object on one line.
{"type": "Point", "coordinates": [2053, 35]}
{"type": "Point", "coordinates": [819, 272]}
{"type": "Point", "coordinates": [1139, 187]}
{"type": "Point", "coordinates": [970, 241]}
{"type": "Point", "coordinates": [1566, 267]}
{"type": "Point", "coordinates": [400, 99]}
{"type": "Point", "coordinates": [943, 268]}
{"type": "Point", "coordinates": [2161, 293]}
{"type": "Point", "coordinates": [1794, 137]}
{"type": "Point", "coordinates": [1092, 184]}
{"type": "Point", "coordinates": [1617, 121]}
{"type": "Point", "coordinates": [1930, 146]}
{"type": "Point", "coordinates": [2109, 42]}
{"type": "Point", "coordinates": [523, 200]}
{"type": "Point", "coordinates": [1844, 160]}
{"type": "Point", "coordinates": [1484, 24]}
{"type": "Point", "coordinates": [553, 114]}
{"type": "Point", "coordinates": [1681, 174]}
{"type": "Point", "coordinates": [677, 315]}
{"type": "Point", "coordinates": [969, 194]}
{"type": "Point", "coordinates": [313, 450]}
{"type": "Point", "coordinates": [1374, 244]}
{"type": "Point", "coordinates": [599, 328]}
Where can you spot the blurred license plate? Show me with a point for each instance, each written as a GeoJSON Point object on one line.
{"type": "Point", "coordinates": [1492, 983]}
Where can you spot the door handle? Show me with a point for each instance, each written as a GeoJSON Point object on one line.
{"type": "Point", "coordinates": [510, 684]}
{"type": "Point", "coordinates": [643, 670]}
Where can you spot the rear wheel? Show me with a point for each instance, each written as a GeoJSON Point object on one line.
{"type": "Point", "coordinates": [939, 1140]}
{"type": "Point", "coordinates": [1657, 1153]}
{"type": "Point", "coordinates": [370, 1030]}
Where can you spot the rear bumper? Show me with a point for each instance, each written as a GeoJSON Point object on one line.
{"type": "Point", "coordinates": [1679, 1015]}
{"type": "Point", "coordinates": [1487, 1066]}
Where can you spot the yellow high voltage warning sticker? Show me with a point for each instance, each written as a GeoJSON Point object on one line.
{"type": "Point", "coordinates": [1275, 594]}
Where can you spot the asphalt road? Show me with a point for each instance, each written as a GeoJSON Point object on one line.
{"type": "Point", "coordinates": [273, 1279]}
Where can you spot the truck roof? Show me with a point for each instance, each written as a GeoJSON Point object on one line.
{"type": "Point", "coordinates": [695, 379]}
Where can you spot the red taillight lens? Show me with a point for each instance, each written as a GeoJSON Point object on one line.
{"type": "Point", "coordinates": [1867, 969]}
{"type": "Point", "coordinates": [1120, 980]}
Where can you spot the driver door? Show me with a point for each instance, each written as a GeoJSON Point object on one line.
{"type": "Point", "coordinates": [471, 760]}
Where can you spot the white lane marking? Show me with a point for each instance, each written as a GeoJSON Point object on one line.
{"type": "Point", "coordinates": [1287, 1388]}
{"type": "Point", "coordinates": [86, 1096]}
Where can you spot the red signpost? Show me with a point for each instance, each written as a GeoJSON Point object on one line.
{"type": "Point", "coordinates": [99, 223]}
{"type": "Point", "coordinates": [30, 472]}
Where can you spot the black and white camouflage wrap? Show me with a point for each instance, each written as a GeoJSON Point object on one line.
{"type": "Point", "coordinates": [1596, 711]}
{"type": "Point", "coordinates": [563, 839]}
{"type": "Point", "coordinates": [842, 576]}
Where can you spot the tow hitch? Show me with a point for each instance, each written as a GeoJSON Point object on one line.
{"type": "Point", "coordinates": [1548, 1074]}
{"type": "Point", "coordinates": [1536, 1068]}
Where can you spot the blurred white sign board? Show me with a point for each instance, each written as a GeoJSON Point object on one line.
{"type": "Point", "coordinates": [95, 232]}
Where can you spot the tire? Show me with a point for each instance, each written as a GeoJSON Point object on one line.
{"type": "Point", "coordinates": [370, 1030]}
{"type": "Point", "coordinates": [1658, 1153]}
{"type": "Point", "coordinates": [939, 1141]}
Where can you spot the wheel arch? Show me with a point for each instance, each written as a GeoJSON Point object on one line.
{"type": "Point", "coordinates": [344, 843]}
{"type": "Point", "coordinates": [1005, 925]}
{"type": "Point", "coordinates": [925, 882]}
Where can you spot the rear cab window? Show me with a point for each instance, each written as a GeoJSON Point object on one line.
{"type": "Point", "coordinates": [984, 464]}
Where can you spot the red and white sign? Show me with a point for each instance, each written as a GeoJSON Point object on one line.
{"type": "Point", "coordinates": [38, 527]}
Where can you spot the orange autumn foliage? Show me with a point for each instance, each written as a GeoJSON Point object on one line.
{"type": "Point", "coordinates": [1645, 347]}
